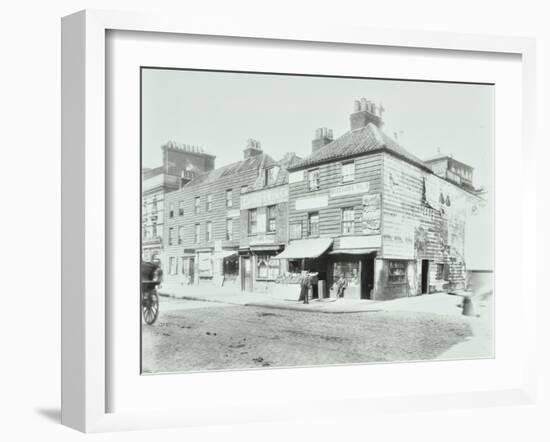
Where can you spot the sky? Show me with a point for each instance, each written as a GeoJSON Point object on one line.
{"type": "Point", "coordinates": [219, 111]}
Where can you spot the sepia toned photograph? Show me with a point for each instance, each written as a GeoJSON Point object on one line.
{"type": "Point", "coordinates": [301, 221]}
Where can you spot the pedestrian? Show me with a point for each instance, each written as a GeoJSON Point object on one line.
{"type": "Point", "coordinates": [304, 287]}
{"type": "Point", "coordinates": [341, 286]}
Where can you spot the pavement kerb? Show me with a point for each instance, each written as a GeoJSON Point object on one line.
{"type": "Point", "coordinates": [197, 298]}
{"type": "Point", "coordinates": [312, 306]}
{"type": "Point", "coordinates": [313, 309]}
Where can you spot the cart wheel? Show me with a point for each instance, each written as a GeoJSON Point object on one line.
{"type": "Point", "coordinates": [150, 307]}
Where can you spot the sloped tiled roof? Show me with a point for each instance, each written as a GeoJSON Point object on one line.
{"type": "Point", "coordinates": [366, 139]}
{"type": "Point", "coordinates": [254, 162]}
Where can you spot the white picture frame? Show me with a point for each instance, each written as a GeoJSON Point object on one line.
{"type": "Point", "coordinates": [85, 198]}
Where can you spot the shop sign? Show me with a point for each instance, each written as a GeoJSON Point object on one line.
{"type": "Point", "coordinates": [399, 242]}
{"type": "Point", "coordinates": [262, 240]}
{"type": "Point", "coordinates": [361, 242]}
{"type": "Point", "coordinates": [350, 189]}
{"type": "Point", "coordinates": [205, 263]}
{"type": "Point", "coordinates": [262, 198]}
{"type": "Point", "coordinates": [371, 213]}
{"type": "Point", "coordinates": [312, 202]}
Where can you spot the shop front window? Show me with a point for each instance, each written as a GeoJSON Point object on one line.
{"type": "Point", "coordinates": [205, 265]}
{"type": "Point", "coordinates": [268, 269]}
{"type": "Point", "coordinates": [349, 270]}
{"type": "Point", "coordinates": [294, 266]}
{"type": "Point", "coordinates": [397, 272]}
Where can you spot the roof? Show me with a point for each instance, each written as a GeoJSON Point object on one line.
{"type": "Point", "coordinates": [305, 248]}
{"type": "Point", "coordinates": [439, 156]}
{"type": "Point", "coordinates": [251, 163]}
{"type": "Point", "coordinates": [356, 142]}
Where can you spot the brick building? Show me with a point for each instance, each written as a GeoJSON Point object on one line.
{"type": "Point", "coordinates": [363, 207]}
{"type": "Point", "coordinates": [226, 219]}
{"type": "Point", "coordinates": [156, 182]}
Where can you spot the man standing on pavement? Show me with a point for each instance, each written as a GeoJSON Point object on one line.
{"type": "Point", "coordinates": [304, 287]}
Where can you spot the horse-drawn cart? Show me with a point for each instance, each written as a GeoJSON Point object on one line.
{"type": "Point", "coordinates": [151, 277]}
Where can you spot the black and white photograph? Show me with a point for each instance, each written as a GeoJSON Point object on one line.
{"type": "Point", "coordinates": [251, 221]}
{"type": "Point", "coordinates": [302, 220]}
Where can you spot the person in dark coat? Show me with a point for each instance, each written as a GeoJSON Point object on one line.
{"type": "Point", "coordinates": [304, 287]}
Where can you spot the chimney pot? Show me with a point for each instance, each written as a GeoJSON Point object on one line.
{"type": "Point", "coordinates": [367, 113]}
{"type": "Point", "coordinates": [253, 147]}
{"type": "Point", "coordinates": [323, 136]}
{"type": "Point", "coordinates": [356, 106]}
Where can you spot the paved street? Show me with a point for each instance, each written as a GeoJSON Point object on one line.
{"type": "Point", "coordinates": [200, 335]}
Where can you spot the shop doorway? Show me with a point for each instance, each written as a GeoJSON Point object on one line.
{"type": "Point", "coordinates": [367, 277]}
{"type": "Point", "coordinates": [425, 274]}
{"type": "Point", "coordinates": [191, 270]}
{"type": "Point", "coordinates": [246, 282]}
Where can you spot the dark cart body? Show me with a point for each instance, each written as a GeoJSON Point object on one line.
{"type": "Point", "coordinates": [151, 277]}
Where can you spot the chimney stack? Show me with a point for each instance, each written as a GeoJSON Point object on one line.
{"type": "Point", "coordinates": [253, 148]}
{"type": "Point", "coordinates": [323, 136]}
{"type": "Point", "coordinates": [365, 112]}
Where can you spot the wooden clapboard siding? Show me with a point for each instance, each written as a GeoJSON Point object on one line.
{"type": "Point", "coordinates": [280, 236]}
{"type": "Point", "coordinates": [367, 169]}
{"type": "Point", "coordinates": [437, 235]}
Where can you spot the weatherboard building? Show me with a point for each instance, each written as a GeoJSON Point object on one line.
{"type": "Point", "coordinates": [364, 208]}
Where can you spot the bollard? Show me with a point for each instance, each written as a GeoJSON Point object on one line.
{"type": "Point", "coordinates": [468, 307]}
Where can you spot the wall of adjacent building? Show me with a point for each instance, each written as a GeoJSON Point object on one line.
{"type": "Point", "coordinates": [414, 230]}
{"type": "Point", "coordinates": [217, 216]}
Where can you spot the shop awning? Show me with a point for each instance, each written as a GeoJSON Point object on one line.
{"type": "Point", "coordinates": [225, 253]}
{"type": "Point", "coordinates": [305, 248]}
{"type": "Point", "coordinates": [353, 251]}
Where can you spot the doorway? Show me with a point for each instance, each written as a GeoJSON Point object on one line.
{"type": "Point", "coordinates": [425, 276]}
{"type": "Point", "coordinates": [191, 270]}
{"type": "Point", "coordinates": [246, 282]}
{"type": "Point", "coordinates": [367, 277]}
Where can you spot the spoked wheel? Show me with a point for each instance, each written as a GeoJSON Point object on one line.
{"type": "Point", "coordinates": [150, 306]}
